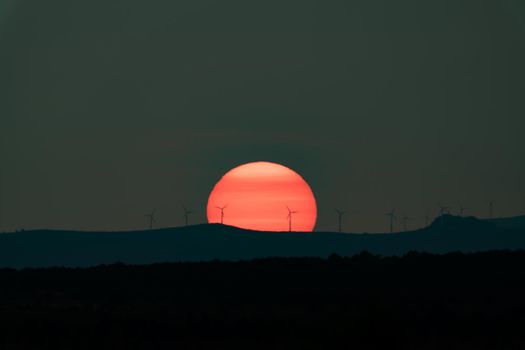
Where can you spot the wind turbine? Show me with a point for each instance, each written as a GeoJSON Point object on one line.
{"type": "Point", "coordinates": [491, 209]}
{"type": "Point", "coordinates": [289, 217]}
{"type": "Point", "coordinates": [186, 214]}
{"type": "Point", "coordinates": [222, 212]}
{"type": "Point", "coordinates": [151, 218]}
{"type": "Point", "coordinates": [392, 216]}
{"type": "Point", "coordinates": [405, 219]}
{"type": "Point", "coordinates": [462, 210]}
{"type": "Point", "coordinates": [340, 214]}
{"type": "Point", "coordinates": [427, 219]}
{"type": "Point", "coordinates": [444, 209]}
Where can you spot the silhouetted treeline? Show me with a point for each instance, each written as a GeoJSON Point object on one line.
{"type": "Point", "coordinates": [418, 301]}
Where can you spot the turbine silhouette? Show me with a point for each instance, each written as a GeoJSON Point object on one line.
{"type": "Point", "coordinates": [222, 212]}
{"type": "Point", "coordinates": [491, 209]}
{"type": "Point", "coordinates": [186, 214]}
{"type": "Point", "coordinates": [151, 218]}
{"type": "Point", "coordinates": [405, 219]}
{"type": "Point", "coordinates": [340, 214]}
{"type": "Point", "coordinates": [392, 217]}
{"type": "Point", "coordinates": [289, 217]}
{"type": "Point", "coordinates": [444, 209]}
{"type": "Point", "coordinates": [427, 219]}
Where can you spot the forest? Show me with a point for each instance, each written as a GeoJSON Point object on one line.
{"type": "Point", "coordinates": [366, 301]}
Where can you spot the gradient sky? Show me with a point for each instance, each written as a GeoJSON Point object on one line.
{"type": "Point", "coordinates": [112, 108]}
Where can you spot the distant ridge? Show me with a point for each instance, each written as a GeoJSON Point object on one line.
{"type": "Point", "coordinates": [40, 248]}
{"type": "Point", "coordinates": [515, 222]}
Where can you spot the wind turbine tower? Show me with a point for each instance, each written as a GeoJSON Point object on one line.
{"type": "Point", "coordinates": [444, 209]}
{"type": "Point", "coordinates": [289, 217]}
{"type": "Point", "coordinates": [186, 214]}
{"type": "Point", "coordinates": [340, 214]}
{"type": "Point", "coordinates": [392, 217]}
{"type": "Point", "coordinates": [427, 219]}
{"type": "Point", "coordinates": [222, 212]}
{"type": "Point", "coordinates": [405, 221]}
{"type": "Point", "coordinates": [151, 217]}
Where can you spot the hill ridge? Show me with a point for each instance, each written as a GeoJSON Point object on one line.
{"type": "Point", "coordinates": [40, 248]}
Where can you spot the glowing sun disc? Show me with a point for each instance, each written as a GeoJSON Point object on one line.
{"type": "Point", "coordinates": [257, 196]}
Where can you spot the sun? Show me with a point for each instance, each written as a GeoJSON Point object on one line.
{"type": "Point", "coordinates": [263, 196]}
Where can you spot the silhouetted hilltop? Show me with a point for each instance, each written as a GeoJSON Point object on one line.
{"type": "Point", "coordinates": [467, 223]}
{"type": "Point", "coordinates": [208, 242]}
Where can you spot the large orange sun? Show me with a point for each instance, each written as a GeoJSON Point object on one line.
{"type": "Point", "coordinates": [260, 196]}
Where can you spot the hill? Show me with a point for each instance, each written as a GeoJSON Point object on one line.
{"type": "Point", "coordinates": [42, 248]}
{"type": "Point", "coordinates": [515, 222]}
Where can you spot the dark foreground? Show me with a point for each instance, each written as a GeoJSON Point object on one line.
{"type": "Point", "coordinates": [419, 301]}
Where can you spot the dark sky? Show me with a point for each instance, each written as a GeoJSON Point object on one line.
{"type": "Point", "coordinates": [109, 108]}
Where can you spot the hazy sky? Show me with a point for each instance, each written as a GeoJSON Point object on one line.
{"type": "Point", "coordinates": [110, 108]}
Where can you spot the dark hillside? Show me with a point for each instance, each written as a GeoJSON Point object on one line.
{"type": "Point", "coordinates": [207, 242]}
{"type": "Point", "coordinates": [515, 222]}
{"type": "Point", "coordinates": [418, 301]}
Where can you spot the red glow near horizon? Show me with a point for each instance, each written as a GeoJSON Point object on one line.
{"type": "Point", "coordinates": [257, 194]}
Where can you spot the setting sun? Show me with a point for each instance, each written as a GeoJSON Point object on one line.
{"type": "Point", "coordinates": [263, 196]}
